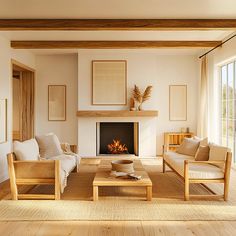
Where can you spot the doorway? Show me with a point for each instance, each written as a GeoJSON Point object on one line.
{"type": "Point", "coordinates": [23, 101]}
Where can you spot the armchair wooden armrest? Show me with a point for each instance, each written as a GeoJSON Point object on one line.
{"type": "Point", "coordinates": [46, 172]}
{"type": "Point", "coordinates": [204, 162]}
{"type": "Point", "coordinates": [224, 180]}
{"type": "Point", "coordinates": [69, 147]}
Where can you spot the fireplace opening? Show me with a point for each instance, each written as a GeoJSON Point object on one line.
{"type": "Point", "coordinates": [117, 138]}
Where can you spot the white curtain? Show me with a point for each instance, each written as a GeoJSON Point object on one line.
{"type": "Point", "coordinates": [202, 127]}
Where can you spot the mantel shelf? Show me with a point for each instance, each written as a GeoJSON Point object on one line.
{"type": "Point", "coordinates": [121, 113]}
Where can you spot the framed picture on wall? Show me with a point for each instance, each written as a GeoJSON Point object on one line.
{"type": "Point", "coordinates": [3, 120]}
{"type": "Point", "coordinates": [178, 102]}
{"type": "Point", "coordinates": [56, 102]}
{"type": "Point", "coordinates": [109, 82]}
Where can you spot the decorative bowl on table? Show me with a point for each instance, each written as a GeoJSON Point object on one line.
{"type": "Point", "coordinates": [126, 166]}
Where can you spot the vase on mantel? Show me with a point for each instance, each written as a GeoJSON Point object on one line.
{"type": "Point", "coordinates": [140, 108]}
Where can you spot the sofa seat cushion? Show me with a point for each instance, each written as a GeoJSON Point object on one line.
{"type": "Point", "coordinates": [196, 170]}
{"type": "Point", "coordinates": [176, 161]}
{"type": "Point", "coordinates": [205, 171]}
{"type": "Point", "coordinates": [68, 163]}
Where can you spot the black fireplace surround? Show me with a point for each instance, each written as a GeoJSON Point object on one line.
{"type": "Point", "coordinates": [125, 132]}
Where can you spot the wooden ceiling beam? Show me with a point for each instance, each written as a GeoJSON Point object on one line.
{"type": "Point", "coordinates": [111, 44]}
{"type": "Point", "coordinates": [117, 24]}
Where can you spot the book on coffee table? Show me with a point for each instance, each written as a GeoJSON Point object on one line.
{"type": "Point", "coordinates": [122, 174]}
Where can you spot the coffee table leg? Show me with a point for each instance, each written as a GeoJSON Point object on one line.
{"type": "Point", "coordinates": [149, 193]}
{"type": "Point", "coordinates": [95, 193]}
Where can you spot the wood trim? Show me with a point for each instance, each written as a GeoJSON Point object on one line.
{"type": "Point", "coordinates": [28, 73]}
{"type": "Point", "coordinates": [121, 113]}
{"type": "Point", "coordinates": [36, 196]}
{"type": "Point", "coordinates": [111, 44]}
{"type": "Point", "coordinates": [21, 65]}
{"type": "Point", "coordinates": [34, 181]}
{"type": "Point", "coordinates": [117, 24]}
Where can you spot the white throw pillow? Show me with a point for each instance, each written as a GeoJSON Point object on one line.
{"type": "Point", "coordinates": [27, 150]}
{"type": "Point", "coordinates": [49, 145]}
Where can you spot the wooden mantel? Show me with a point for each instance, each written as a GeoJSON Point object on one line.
{"type": "Point", "coordinates": [120, 113]}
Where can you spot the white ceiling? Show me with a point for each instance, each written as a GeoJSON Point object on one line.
{"type": "Point", "coordinates": [118, 9]}
{"type": "Point", "coordinates": [117, 35]}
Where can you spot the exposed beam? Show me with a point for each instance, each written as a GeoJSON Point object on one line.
{"type": "Point", "coordinates": [117, 24]}
{"type": "Point", "coordinates": [111, 44]}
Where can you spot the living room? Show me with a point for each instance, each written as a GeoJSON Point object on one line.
{"type": "Point", "coordinates": [137, 105]}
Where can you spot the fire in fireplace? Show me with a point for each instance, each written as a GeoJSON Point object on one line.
{"type": "Point", "coordinates": [117, 138]}
{"type": "Point", "coordinates": [116, 147]}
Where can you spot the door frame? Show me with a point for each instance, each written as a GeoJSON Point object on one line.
{"type": "Point", "coordinates": [22, 67]}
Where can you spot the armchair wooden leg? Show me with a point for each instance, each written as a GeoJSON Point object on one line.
{"type": "Point", "coordinates": [57, 180]}
{"type": "Point", "coordinates": [186, 181]}
{"type": "Point", "coordinates": [226, 189]}
{"type": "Point", "coordinates": [186, 189]}
{"type": "Point", "coordinates": [227, 175]}
{"type": "Point", "coordinates": [163, 166]}
{"type": "Point", "coordinates": [11, 170]}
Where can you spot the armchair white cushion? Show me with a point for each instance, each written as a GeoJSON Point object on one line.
{"type": "Point", "coordinates": [27, 150]}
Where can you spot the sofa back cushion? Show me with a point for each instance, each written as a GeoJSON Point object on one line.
{"type": "Point", "coordinates": [202, 153]}
{"type": "Point", "coordinates": [27, 150]}
{"type": "Point", "coordinates": [218, 153]}
{"type": "Point", "coordinates": [49, 145]}
{"type": "Point", "coordinates": [203, 141]}
{"type": "Point", "coordinates": [188, 147]}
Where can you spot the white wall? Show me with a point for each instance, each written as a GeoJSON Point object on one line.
{"type": "Point", "coordinates": [144, 68]}
{"type": "Point", "coordinates": [216, 58]}
{"type": "Point", "coordinates": [58, 70]}
{"type": "Point", "coordinates": [6, 54]}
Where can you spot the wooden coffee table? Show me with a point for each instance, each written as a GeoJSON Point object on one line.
{"type": "Point", "coordinates": [103, 178]}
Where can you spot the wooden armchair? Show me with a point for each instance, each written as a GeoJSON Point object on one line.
{"type": "Point", "coordinates": [185, 174]}
{"type": "Point", "coordinates": [42, 172]}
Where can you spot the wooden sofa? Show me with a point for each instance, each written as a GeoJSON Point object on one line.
{"type": "Point", "coordinates": [31, 173]}
{"type": "Point", "coordinates": [202, 172]}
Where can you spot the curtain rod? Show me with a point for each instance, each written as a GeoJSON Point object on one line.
{"type": "Point", "coordinates": [217, 46]}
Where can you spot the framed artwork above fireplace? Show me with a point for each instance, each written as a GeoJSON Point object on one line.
{"type": "Point", "coordinates": [109, 82]}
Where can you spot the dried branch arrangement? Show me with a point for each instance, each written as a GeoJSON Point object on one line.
{"type": "Point", "coordinates": [141, 97]}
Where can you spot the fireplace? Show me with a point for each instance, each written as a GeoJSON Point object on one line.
{"type": "Point", "coordinates": [117, 138]}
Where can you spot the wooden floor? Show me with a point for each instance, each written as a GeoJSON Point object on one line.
{"type": "Point", "coordinates": [93, 228]}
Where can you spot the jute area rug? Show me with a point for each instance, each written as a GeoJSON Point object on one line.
{"type": "Point", "coordinates": [122, 203]}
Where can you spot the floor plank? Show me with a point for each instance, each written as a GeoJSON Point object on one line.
{"type": "Point", "coordinates": [118, 228]}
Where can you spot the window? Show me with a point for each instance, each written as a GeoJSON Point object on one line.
{"type": "Point", "coordinates": [228, 109]}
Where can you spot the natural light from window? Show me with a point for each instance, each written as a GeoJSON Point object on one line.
{"type": "Point", "coordinates": [228, 103]}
